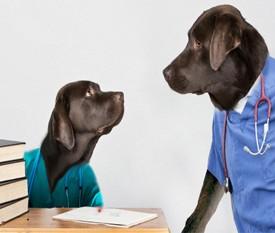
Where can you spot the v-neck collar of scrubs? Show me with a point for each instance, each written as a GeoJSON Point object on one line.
{"type": "Point", "coordinates": [239, 107]}
{"type": "Point", "coordinates": [253, 95]}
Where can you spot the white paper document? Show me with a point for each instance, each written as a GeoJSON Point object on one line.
{"type": "Point", "coordinates": [111, 217]}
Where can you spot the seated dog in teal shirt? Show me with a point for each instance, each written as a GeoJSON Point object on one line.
{"type": "Point", "coordinates": [59, 174]}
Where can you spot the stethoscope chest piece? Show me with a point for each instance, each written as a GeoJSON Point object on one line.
{"type": "Point", "coordinates": [228, 185]}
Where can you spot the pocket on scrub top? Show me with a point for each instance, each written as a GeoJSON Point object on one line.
{"type": "Point", "coordinates": [268, 158]}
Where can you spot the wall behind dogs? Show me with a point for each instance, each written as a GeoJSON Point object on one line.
{"type": "Point", "coordinates": [157, 156]}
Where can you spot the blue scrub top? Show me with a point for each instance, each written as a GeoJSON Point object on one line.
{"type": "Point", "coordinates": [252, 177]}
{"type": "Point", "coordinates": [41, 197]}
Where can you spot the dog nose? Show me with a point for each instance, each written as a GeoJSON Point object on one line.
{"type": "Point", "coordinates": [168, 73]}
{"type": "Point", "coordinates": [118, 96]}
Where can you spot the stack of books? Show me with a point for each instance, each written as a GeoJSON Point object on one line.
{"type": "Point", "coordinates": [13, 183]}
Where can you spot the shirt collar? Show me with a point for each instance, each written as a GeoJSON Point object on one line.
{"type": "Point", "coordinates": [239, 107]}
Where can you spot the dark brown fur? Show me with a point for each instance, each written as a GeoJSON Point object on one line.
{"type": "Point", "coordinates": [223, 57]}
{"type": "Point", "coordinates": [82, 114]}
{"type": "Point", "coordinates": [224, 54]}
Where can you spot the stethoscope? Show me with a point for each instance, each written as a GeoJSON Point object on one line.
{"type": "Point", "coordinates": [260, 149]}
{"type": "Point", "coordinates": [66, 186]}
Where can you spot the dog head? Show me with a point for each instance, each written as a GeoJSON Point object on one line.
{"type": "Point", "coordinates": [223, 57]}
{"type": "Point", "coordinates": [82, 108]}
{"type": "Point", "coordinates": [82, 114]}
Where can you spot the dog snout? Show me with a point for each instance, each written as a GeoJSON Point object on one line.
{"type": "Point", "coordinates": [118, 96]}
{"type": "Point", "coordinates": [168, 73]}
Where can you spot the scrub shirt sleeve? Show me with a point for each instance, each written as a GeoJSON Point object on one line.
{"type": "Point", "coordinates": [215, 160]}
{"type": "Point", "coordinates": [92, 194]}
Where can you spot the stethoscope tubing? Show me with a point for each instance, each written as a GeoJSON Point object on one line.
{"type": "Point", "coordinates": [80, 187]}
{"type": "Point", "coordinates": [261, 149]}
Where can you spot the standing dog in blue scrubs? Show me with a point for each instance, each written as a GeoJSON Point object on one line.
{"type": "Point", "coordinates": [228, 59]}
{"type": "Point", "coordinates": [59, 174]}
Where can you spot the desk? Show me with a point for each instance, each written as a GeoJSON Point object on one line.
{"type": "Point", "coordinates": [40, 220]}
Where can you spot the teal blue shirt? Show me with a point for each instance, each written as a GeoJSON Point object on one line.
{"type": "Point", "coordinates": [41, 197]}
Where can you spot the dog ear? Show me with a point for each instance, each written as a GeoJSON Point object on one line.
{"type": "Point", "coordinates": [61, 125]}
{"type": "Point", "coordinates": [225, 38]}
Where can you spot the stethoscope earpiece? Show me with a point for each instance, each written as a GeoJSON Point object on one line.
{"type": "Point", "coordinates": [246, 149]}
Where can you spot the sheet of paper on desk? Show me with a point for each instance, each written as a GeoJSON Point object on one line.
{"type": "Point", "coordinates": [111, 217]}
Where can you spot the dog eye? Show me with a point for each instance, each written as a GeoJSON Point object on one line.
{"type": "Point", "coordinates": [197, 44]}
{"type": "Point", "coordinates": [90, 92]}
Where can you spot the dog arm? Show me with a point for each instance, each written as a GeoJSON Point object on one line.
{"type": "Point", "coordinates": [210, 196]}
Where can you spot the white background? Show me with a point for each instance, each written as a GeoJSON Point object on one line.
{"type": "Point", "coordinates": [157, 156]}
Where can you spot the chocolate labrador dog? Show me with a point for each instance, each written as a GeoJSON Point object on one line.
{"type": "Point", "coordinates": [223, 57]}
{"type": "Point", "coordinates": [82, 114]}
